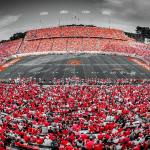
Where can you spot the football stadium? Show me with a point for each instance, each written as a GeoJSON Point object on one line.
{"type": "Point", "coordinates": [74, 87]}
{"type": "Point", "coordinates": [69, 51]}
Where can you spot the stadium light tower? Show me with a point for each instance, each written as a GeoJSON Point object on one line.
{"type": "Point", "coordinates": [107, 12]}
{"type": "Point", "coordinates": [62, 12]}
{"type": "Point", "coordinates": [75, 18]}
{"type": "Point", "coordinates": [86, 12]}
{"type": "Point", "coordinates": [42, 14]}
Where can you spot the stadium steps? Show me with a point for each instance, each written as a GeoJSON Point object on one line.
{"type": "Point", "coordinates": [38, 45]}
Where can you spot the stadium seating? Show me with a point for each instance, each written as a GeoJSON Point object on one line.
{"type": "Point", "coordinates": [148, 46]}
{"type": "Point", "coordinates": [74, 117]}
{"type": "Point", "coordinates": [90, 44]}
{"type": "Point", "coordinates": [43, 33]}
{"type": "Point", "coordinates": [76, 32]}
{"type": "Point", "coordinates": [59, 44]}
{"type": "Point", "coordinates": [31, 35]}
{"type": "Point", "coordinates": [9, 48]}
{"type": "Point", "coordinates": [29, 46]}
{"type": "Point", "coordinates": [125, 47]}
{"type": "Point", "coordinates": [75, 39]}
{"type": "Point", "coordinates": [3, 55]}
{"type": "Point", "coordinates": [141, 46]}
{"type": "Point", "coordinates": [45, 45]}
{"type": "Point", "coordinates": [74, 44]}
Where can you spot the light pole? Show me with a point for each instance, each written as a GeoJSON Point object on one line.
{"type": "Point", "coordinates": [61, 13]}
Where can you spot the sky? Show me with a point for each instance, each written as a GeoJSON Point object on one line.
{"type": "Point", "coordinates": [23, 15]}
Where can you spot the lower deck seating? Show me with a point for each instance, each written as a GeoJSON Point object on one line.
{"type": "Point", "coordinates": [29, 46]}
{"type": "Point", "coordinates": [74, 45]}
{"type": "Point", "coordinates": [45, 45]}
{"type": "Point", "coordinates": [59, 44]}
{"type": "Point", "coordinates": [107, 114]}
{"type": "Point", "coordinates": [8, 49]}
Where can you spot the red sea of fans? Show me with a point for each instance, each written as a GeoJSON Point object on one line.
{"type": "Point", "coordinates": [75, 31]}
{"type": "Point", "coordinates": [71, 39]}
{"type": "Point", "coordinates": [74, 114]}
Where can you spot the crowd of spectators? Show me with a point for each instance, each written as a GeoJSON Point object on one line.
{"type": "Point", "coordinates": [74, 44]}
{"type": "Point", "coordinates": [91, 44]}
{"type": "Point", "coordinates": [75, 39]}
{"type": "Point", "coordinates": [85, 44]}
{"type": "Point", "coordinates": [148, 46]}
{"type": "Point", "coordinates": [74, 114]}
{"type": "Point", "coordinates": [126, 47]}
{"type": "Point", "coordinates": [141, 46]}
{"type": "Point", "coordinates": [145, 48]}
{"type": "Point", "coordinates": [76, 32]}
{"type": "Point", "coordinates": [29, 46]}
{"type": "Point", "coordinates": [43, 33]}
{"type": "Point", "coordinates": [3, 55]}
{"type": "Point", "coordinates": [9, 48]}
{"type": "Point", "coordinates": [59, 44]}
{"type": "Point", "coordinates": [45, 45]}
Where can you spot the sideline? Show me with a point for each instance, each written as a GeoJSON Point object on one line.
{"type": "Point", "coordinates": [5, 66]}
{"type": "Point", "coordinates": [141, 63]}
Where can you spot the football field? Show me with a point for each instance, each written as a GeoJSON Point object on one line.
{"type": "Point", "coordinates": [86, 66]}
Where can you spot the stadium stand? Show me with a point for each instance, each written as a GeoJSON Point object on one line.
{"type": "Point", "coordinates": [3, 55]}
{"type": "Point", "coordinates": [90, 44]}
{"type": "Point", "coordinates": [9, 48]}
{"type": "Point", "coordinates": [56, 32]}
{"type": "Point", "coordinates": [31, 35]}
{"type": "Point", "coordinates": [93, 114]}
{"type": "Point", "coordinates": [74, 44]}
{"type": "Point", "coordinates": [29, 46]}
{"type": "Point", "coordinates": [45, 45]}
{"type": "Point", "coordinates": [59, 44]}
{"type": "Point", "coordinates": [43, 33]}
{"type": "Point", "coordinates": [76, 32]}
{"type": "Point", "coordinates": [75, 39]}
{"type": "Point", "coordinates": [148, 46]}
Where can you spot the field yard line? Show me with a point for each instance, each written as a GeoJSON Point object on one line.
{"type": "Point", "coordinates": [64, 73]}
{"type": "Point", "coordinates": [92, 69]}
{"type": "Point", "coordinates": [26, 64]}
{"type": "Point", "coordinates": [84, 71]}
{"type": "Point", "coordinates": [98, 66]}
{"type": "Point", "coordinates": [120, 65]}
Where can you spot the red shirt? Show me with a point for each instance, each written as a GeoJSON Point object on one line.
{"type": "Point", "coordinates": [39, 141]}
{"type": "Point", "coordinates": [98, 146]}
{"type": "Point", "coordinates": [69, 147]}
{"type": "Point", "coordinates": [89, 145]}
{"type": "Point", "coordinates": [26, 138]}
{"type": "Point", "coordinates": [100, 136]}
